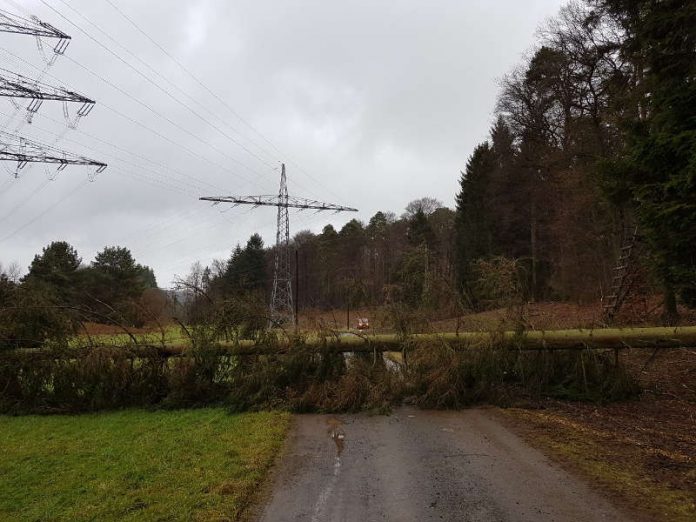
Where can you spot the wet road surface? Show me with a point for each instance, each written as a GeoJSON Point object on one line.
{"type": "Point", "coordinates": [415, 466]}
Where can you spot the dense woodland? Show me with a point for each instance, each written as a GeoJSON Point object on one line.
{"type": "Point", "coordinates": [594, 137]}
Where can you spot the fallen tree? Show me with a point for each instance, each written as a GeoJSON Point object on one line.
{"type": "Point", "coordinates": [536, 340]}
{"type": "Point", "coordinates": [445, 370]}
{"type": "Point", "coordinates": [609, 338]}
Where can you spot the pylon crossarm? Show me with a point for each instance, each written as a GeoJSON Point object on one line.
{"type": "Point", "coordinates": [275, 201]}
{"type": "Point", "coordinates": [23, 151]}
{"type": "Point", "coordinates": [45, 158]}
{"type": "Point", "coordinates": [14, 85]}
{"type": "Point", "coordinates": [11, 23]}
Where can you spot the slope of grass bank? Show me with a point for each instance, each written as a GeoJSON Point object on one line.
{"type": "Point", "coordinates": [200, 464]}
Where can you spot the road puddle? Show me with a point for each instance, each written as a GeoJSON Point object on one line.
{"type": "Point", "coordinates": [336, 433]}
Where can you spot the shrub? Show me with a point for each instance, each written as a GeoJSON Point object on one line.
{"type": "Point", "coordinates": [32, 316]}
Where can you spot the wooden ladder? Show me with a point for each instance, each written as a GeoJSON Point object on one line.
{"type": "Point", "coordinates": [622, 279]}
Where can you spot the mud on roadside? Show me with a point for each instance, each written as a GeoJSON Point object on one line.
{"type": "Point", "coordinates": [642, 451]}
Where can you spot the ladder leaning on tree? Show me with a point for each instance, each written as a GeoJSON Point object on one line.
{"type": "Point", "coordinates": [623, 278]}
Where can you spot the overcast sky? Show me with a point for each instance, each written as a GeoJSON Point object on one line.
{"type": "Point", "coordinates": [370, 103]}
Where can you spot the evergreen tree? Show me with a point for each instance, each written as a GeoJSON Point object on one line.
{"type": "Point", "coordinates": [57, 267]}
{"type": "Point", "coordinates": [115, 279]}
{"type": "Point", "coordinates": [658, 167]}
{"type": "Point", "coordinates": [246, 269]}
{"type": "Point", "coordinates": [6, 289]}
{"type": "Point", "coordinates": [147, 276]}
{"type": "Point", "coordinates": [420, 233]}
{"type": "Point", "coordinates": [473, 224]}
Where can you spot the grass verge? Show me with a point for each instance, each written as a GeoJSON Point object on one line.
{"type": "Point", "coordinates": [202, 464]}
{"type": "Point", "coordinates": [628, 461]}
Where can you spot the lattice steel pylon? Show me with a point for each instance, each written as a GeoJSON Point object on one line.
{"type": "Point", "coordinates": [21, 150]}
{"type": "Point", "coordinates": [281, 297]}
{"type": "Point", "coordinates": [281, 309]}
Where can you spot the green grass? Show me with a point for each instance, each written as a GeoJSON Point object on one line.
{"type": "Point", "coordinates": [172, 335]}
{"type": "Point", "coordinates": [201, 464]}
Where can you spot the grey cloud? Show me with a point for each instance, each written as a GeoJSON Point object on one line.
{"type": "Point", "coordinates": [380, 101]}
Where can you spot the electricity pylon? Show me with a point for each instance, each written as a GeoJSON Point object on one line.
{"type": "Point", "coordinates": [14, 85]}
{"type": "Point", "coordinates": [23, 151]}
{"type": "Point", "coordinates": [12, 23]}
{"type": "Point", "coordinates": [281, 309]}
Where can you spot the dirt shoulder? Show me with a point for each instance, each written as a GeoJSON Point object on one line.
{"type": "Point", "coordinates": [643, 452]}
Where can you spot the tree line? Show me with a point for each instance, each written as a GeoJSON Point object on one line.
{"type": "Point", "coordinates": [407, 259]}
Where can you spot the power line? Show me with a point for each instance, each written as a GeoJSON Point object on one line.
{"type": "Point", "coordinates": [159, 181]}
{"type": "Point", "coordinates": [214, 95]}
{"type": "Point", "coordinates": [183, 185]}
{"type": "Point", "coordinates": [190, 74]}
{"type": "Point", "coordinates": [173, 84]}
{"type": "Point", "coordinates": [116, 55]}
{"type": "Point", "coordinates": [186, 178]}
{"type": "Point", "coordinates": [168, 120]}
{"type": "Point", "coordinates": [46, 211]}
{"type": "Point", "coordinates": [167, 93]}
{"type": "Point", "coordinates": [224, 221]}
{"type": "Point", "coordinates": [24, 201]}
{"type": "Point", "coordinates": [158, 227]}
{"type": "Point", "coordinates": [142, 125]}
{"type": "Point", "coordinates": [160, 115]}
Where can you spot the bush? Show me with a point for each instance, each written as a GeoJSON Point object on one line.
{"type": "Point", "coordinates": [32, 316]}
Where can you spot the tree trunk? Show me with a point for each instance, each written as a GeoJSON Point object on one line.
{"type": "Point", "coordinates": [670, 315]}
{"type": "Point", "coordinates": [533, 241]}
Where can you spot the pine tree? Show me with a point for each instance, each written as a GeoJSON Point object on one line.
{"type": "Point", "coordinates": [246, 268]}
{"type": "Point", "coordinates": [473, 223]}
{"type": "Point", "coordinates": [57, 266]}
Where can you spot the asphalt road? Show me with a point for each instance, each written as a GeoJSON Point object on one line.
{"type": "Point", "coordinates": [416, 465]}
